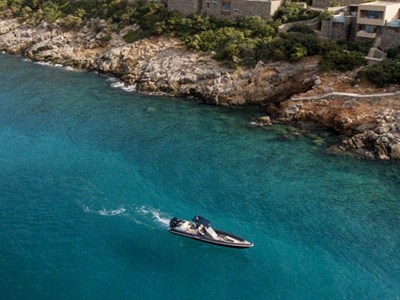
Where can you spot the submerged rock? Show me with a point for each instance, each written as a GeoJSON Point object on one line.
{"type": "Point", "coordinates": [262, 121]}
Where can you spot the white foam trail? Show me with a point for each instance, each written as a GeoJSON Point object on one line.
{"type": "Point", "coordinates": [161, 220]}
{"type": "Point", "coordinates": [120, 212]}
{"type": "Point", "coordinates": [112, 212]}
{"type": "Point", "coordinates": [142, 215]}
{"type": "Point", "coordinates": [104, 212]}
{"type": "Point", "coordinates": [86, 208]}
{"type": "Point", "coordinates": [155, 214]}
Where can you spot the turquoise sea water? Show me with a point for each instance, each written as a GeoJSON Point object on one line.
{"type": "Point", "coordinates": [90, 176]}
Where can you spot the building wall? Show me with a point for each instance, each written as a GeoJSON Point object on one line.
{"type": "Point", "coordinates": [390, 37]}
{"type": "Point", "coordinates": [389, 12]}
{"type": "Point", "coordinates": [185, 7]}
{"type": "Point", "coordinates": [275, 6]}
{"type": "Point", "coordinates": [238, 8]}
{"type": "Point", "coordinates": [339, 30]}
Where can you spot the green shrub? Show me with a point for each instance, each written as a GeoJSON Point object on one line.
{"type": "Point", "coordinates": [383, 73]}
{"type": "Point", "coordinates": [135, 35]}
{"type": "Point", "coordinates": [342, 60]}
{"type": "Point", "coordinates": [292, 13]}
{"type": "Point", "coordinates": [52, 11]}
{"type": "Point", "coordinates": [256, 26]}
{"type": "Point", "coordinates": [393, 52]}
{"type": "Point", "coordinates": [334, 3]}
{"type": "Point", "coordinates": [301, 29]}
{"type": "Point", "coordinates": [325, 15]}
{"type": "Point", "coordinates": [70, 22]}
{"type": "Point", "coordinates": [362, 47]}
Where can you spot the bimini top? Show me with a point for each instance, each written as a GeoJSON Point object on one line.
{"type": "Point", "coordinates": [201, 220]}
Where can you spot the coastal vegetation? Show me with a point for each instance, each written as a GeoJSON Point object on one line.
{"type": "Point", "coordinates": [240, 42]}
{"type": "Point", "coordinates": [292, 12]}
{"type": "Point", "coordinates": [385, 72]}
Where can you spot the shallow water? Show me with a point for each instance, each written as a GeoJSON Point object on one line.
{"type": "Point", "coordinates": [90, 176]}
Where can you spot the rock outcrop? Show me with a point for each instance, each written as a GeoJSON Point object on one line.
{"type": "Point", "coordinates": [157, 65]}
{"type": "Point", "coordinates": [370, 126]}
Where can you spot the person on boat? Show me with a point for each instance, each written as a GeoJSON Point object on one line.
{"type": "Point", "coordinates": [201, 229]}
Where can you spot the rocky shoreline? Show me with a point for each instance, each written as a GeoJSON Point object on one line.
{"type": "Point", "coordinates": [369, 124]}
{"type": "Point", "coordinates": [162, 65]}
{"type": "Point", "coordinates": [157, 65]}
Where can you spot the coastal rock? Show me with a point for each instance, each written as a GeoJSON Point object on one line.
{"type": "Point", "coordinates": [262, 121]}
{"type": "Point", "coordinates": [370, 126]}
{"type": "Point", "coordinates": [8, 25]}
{"type": "Point", "coordinates": [394, 150]}
{"type": "Point", "coordinates": [160, 65]}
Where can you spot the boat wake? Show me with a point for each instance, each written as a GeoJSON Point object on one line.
{"type": "Point", "coordinates": [140, 215]}
{"type": "Point", "coordinates": [104, 212]}
{"type": "Point", "coordinates": [155, 215]}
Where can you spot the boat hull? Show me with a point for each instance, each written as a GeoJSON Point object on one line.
{"type": "Point", "coordinates": [205, 239]}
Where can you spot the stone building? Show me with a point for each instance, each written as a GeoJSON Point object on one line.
{"type": "Point", "coordinates": [340, 27]}
{"type": "Point", "coordinates": [373, 17]}
{"type": "Point", "coordinates": [240, 8]}
{"type": "Point", "coordinates": [366, 21]}
{"type": "Point", "coordinates": [226, 8]}
{"type": "Point", "coordinates": [186, 7]}
{"type": "Point", "coordinates": [391, 36]}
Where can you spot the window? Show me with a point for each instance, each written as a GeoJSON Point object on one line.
{"type": "Point", "coordinates": [208, 4]}
{"type": "Point", "coordinates": [226, 6]}
{"type": "Point", "coordinates": [370, 29]}
{"type": "Point", "coordinates": [372, 14]}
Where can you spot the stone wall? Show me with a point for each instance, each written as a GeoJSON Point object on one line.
{"type": "Point", "coordinates": [185, 7]}
{"type": "Point", "coordinates": [390, 38]}
{"type": "Point", "coordinates": [238, 8]}
{"type": "Point", "coordinates": [339, 30]}
{"type": "Point", "coordinates": [314, 24]}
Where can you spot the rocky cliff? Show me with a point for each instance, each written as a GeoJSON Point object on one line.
{"type": "Point", "coordinates": [368, 122]}
{"type": "Point", "coordinates": [157, 65]}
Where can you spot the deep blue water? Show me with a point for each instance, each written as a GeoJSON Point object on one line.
{"type": "Point", "coordinates": [90, 176]}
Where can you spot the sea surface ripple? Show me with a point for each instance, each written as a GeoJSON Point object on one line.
{"type": "Point", "coordinates": [91, 174]}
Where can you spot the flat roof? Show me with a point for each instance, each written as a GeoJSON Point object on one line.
{"type": "Point", "coordinates": [393, 23]}
{"type": "Point", "coordinates": [379, 3]}
{"type": "Point", "coordinates": [339, 19]}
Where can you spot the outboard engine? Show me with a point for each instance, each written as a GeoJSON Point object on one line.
{"type": "Point", "coordinates": [174, 222]}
